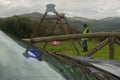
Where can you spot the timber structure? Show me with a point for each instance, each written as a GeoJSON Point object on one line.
{"type": "Point", "coordinates": [110, 39]}
{"type": "Point", "coordinates": [60, 19]}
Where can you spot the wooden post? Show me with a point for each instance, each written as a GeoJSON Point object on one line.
{"type": "Point", "coordinates": [37, 27]}
{"type": "Point", "coordinates": [79, 43]}
{"type": "Point", "coordinates": [69, 25]}
{"type": "Point", "coordinates": [78, 52]}
{"type": "Point", "coordinates": [117, 41]}
{"type": "Point", "coordinates": [111, 47]}
{"type": "Point", "coordinates": [98, 47]}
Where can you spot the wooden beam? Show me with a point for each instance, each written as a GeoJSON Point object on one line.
{"type": "Point", "coordinates": [74, 36]}
{"type": "Point", "coordinates": [75, 47]}
{"type": "Point", "coordinates": [51, 18]}
{"type": "Point", "coordinates": [37, 27]}
{"type": "Point", "coordinates": [98, 47]}
{"type": "Point", "coordinates": [111, 47]}
{"type": "Point", "coordinates": [69, 25]}
{"type": "Point", "coordinates": [79, 43]}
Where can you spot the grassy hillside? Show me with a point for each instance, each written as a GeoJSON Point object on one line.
{"type": "Point", "coordinates": [67, 48]}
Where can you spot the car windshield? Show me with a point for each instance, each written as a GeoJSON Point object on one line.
{"type": "Point", "coordinates": [21, 61]}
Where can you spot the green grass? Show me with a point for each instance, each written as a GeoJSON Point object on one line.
{"type": "Point", "coordinates": [66, 47]}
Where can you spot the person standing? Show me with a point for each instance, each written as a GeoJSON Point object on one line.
{"type": "Point", "coordinates": [84, 40]}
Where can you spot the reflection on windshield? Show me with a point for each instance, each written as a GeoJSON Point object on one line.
{"type": "Point", "coordinates": [32, 53]}
{"type": "Point", "coordinates": [15, 66]}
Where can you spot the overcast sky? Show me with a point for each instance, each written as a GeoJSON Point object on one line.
{"type": "Point", "coordinates": [94, 9]}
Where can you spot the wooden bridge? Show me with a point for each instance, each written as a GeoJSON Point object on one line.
{"type": "Point", "coordinates": [110, 39]}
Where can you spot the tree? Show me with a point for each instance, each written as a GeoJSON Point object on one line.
{"type": "Point", "coordinates": [18, 26]}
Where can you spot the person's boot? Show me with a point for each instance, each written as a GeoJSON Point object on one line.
{"type": "Point", "coordinates": [84, 50]}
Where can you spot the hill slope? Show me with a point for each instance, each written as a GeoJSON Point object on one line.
{"type": "Point", "coordinates": [106, 24]}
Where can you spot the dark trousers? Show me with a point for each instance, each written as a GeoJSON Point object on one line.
{"type": "Point", "coordinates": [84, 45]}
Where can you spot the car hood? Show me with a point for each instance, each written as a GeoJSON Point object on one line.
{"type": "Point", "coordinates": [108, 65]}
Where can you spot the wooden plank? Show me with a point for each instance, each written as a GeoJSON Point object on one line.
{"type": "Point", "coordinates": [111, 48]}
{"type": "Point", "coordinates": [74, 36]}
{"type": "Point", "coordinates": [98, 47]}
